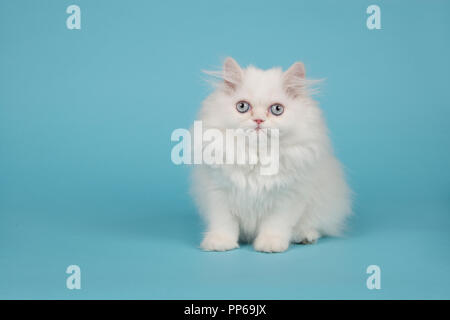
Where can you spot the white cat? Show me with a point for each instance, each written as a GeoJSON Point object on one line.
{"type": "Point", "coordinates": [307, 198]}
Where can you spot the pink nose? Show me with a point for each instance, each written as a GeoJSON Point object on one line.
{"type": "Point", "coordinates": [258, 121]}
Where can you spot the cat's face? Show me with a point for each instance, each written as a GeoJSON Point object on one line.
{"type": "Point", "coordinates": [254, 99]}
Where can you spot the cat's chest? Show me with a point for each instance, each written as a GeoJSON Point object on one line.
{"type": "Point", "coordinates": [250, 190]}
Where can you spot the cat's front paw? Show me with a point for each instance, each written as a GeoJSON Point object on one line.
{"type": "Point", "coordinates": [270, 243]}
{"type": "Point", "coordinates": [216, 241]}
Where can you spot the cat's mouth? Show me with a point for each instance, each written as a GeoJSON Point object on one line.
{"type": "Point", "coordinates": [258, 127]}
{"type": "Point", "coordinates": [261, 129]}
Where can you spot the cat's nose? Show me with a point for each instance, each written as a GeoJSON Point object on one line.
{"type": "Point", "coordinates": [258, 121]}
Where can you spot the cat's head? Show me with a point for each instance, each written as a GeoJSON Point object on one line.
{"type": "Point", "coordinates": [252, 98]}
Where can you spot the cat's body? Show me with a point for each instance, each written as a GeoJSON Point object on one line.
{"type": "Point", "coordinates": [308, 196]}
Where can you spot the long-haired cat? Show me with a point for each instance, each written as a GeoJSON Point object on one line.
{"type": "Point", "coordinates": [307, 198]}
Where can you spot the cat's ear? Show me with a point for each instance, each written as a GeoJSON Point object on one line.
{"type": "Point", "coordinates": [232, 74]}
{"type": "Point", "coordinates": [294, 79]}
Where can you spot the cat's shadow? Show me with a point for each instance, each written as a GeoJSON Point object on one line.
{"type": "Point", "coordinates": [185, 229]}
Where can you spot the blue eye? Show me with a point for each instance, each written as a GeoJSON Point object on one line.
{"type": "Point", "coordinates": [276, 109]}
{"type": "Point", "coordinates": [242, 106]}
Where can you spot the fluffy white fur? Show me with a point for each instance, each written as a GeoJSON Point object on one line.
{"type": "Point", "coordinates": [307, 199]}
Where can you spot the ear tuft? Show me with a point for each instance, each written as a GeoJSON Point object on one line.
{"type": "Point", "coordinates": [232, 74]}
{"type": "Point", "coordinates": [294, 79]}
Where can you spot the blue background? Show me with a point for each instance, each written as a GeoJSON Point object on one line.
{"type": "Point", "coordinates": [85, 123]}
